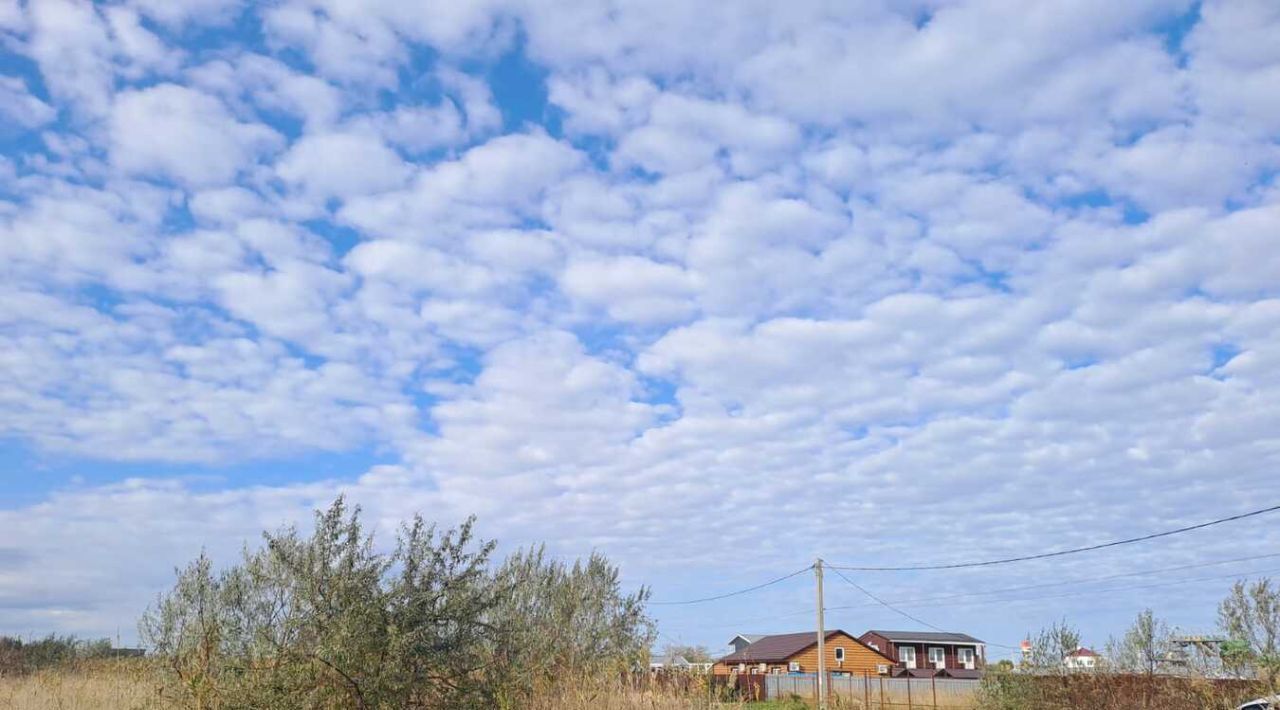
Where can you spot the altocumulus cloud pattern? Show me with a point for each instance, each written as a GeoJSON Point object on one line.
{"type": "Point", "coordinates": [715, 288]}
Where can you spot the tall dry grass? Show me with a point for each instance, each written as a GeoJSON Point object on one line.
{"type": "Point", "coordinates": [101, 685]}
{"type": "Point", "coordinates": [131, 685]}
{"type": "Point", "coordinates": [691, 692]}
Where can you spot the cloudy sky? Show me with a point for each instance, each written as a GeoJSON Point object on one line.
{"type": "Point", "coordinates": [715, 288]}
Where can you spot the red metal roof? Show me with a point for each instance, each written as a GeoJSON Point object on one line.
{"type": "Point", "coordinates": [775, 649]}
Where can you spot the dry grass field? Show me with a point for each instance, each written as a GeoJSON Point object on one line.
{"type": "Point", "coordinates": [128, 685]}
{"type": "Point", "coordinates": [107, 685]}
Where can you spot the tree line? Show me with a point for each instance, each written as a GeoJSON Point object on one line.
{"type": "Point", "coordinates": [20, 657]}
{"type": "Point", "coordinates": [1151, 665]}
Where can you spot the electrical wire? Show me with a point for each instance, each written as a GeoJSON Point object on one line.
{"type": "Point", "coordinates": [933, 600]}
{"type": "Point", "coordinates": [904, 614]}
{"type": "Point", "coordinates": [1085, 592]}
{"type": "Point", "coordinates": [1080, 580]}
{"type": "Point", "coordinates": [1059, 553]}
{"type": "Point", "coordinates": [771, 582]}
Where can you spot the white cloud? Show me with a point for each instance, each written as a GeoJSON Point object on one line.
{"type": "Point", "coordinates": [1175, 166]}
{"type": "Point", "coordinates": [476, 100]}
{"type": "Point", "coordinates": [271, 85]}
{"type": "Point", "coordinates": [172, 131]}
{"type": "Point", "coordinates": [71, 44]}
{"type": "Point", "coordinates": [631, 288]}
{"type": "Point", "coordinates": [143, 50]}
{"type": "Point", "coordinates": [179, 12]}
{"type": "Point", "coordinates": [596, 103]}
{"type": "Point", "coordinates": [421, 129]}
{"type": "Point", "coordinates": [490, 185]}
{"type": "Point", "coordinates": [496, 428]}
{"type": "Point", "coordinates": [1234, 63]}
{"type": "Point", "coordinates": [684, 134]}
{"type": "Point", "coordinates": [766, 263]}
{"type": "Point", "coordinates": [11, 17]}
{"type": "Point", "coordinates": [341, 165]}
{"type": "Point", "coordinates": [20, 106]}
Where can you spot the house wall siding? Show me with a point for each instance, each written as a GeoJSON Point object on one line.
{"type": "Point", "coordinates": [858, 659]}
{"type": "Point", "coordinates": [951, 658]}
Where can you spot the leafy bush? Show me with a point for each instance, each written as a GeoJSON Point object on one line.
{"type": "Point", "coordinates": [327, 621]}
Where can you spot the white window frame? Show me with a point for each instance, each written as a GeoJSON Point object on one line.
{"type": "Point", "coordinates": [967, 657]}
{"type": "Point", "coordinates": [839, 654]}
{"type": "Point", "coordinates": [903, 653]}
{"type": "Point", "coordinates": [793, 667]}
{"type": "Point", "coordinates": [941, 661]}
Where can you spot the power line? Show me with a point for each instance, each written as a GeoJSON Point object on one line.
{"type": "Point", "coordinates": [1084, 592]}
{"type": "Point", "coordinates": [932, 600]}
{"type": "Point", "coordinates": [1079, 580]}
{"type": "Point", "coordinates": [771, 582]}
{"type": "Point", "coordinates": [900, 612]}
{"type": "Point", "coordinates": [1060, 553]}
{"type": "Point", "coordinates": [884, 603]}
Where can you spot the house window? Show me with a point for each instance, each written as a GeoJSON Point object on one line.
{"type": "Point", "coordinates": [794, 667]}
{"type": "Point", "coordinates": [839, 654]}
{"type": "Point", "coordinates": [907, 655]}
{"type": "Point", "coordinates": [937, 657]}
{"type": "Point", "coordinates": [965, 656]}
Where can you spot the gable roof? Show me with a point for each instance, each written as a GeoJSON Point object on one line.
{"type": "Point", "coordinates": [749, 638]}
{"type": "Point", "coordinates": [1082, 652]}
{"type": "Point", "coordinates": [781, 647]}
{"type": "Point", "coordinates": [924, 636]}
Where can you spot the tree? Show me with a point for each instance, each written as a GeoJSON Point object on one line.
{"type": "Point", "coordinates": [326, 620]}
{"type": "Point", "coordinates": [692, 654]}
{"type": "Point", "coordinates": [559, 622]}
{"type": "Point", "coordinates": [1251, 615]}
{"type": "Point", "coordinates": [1143, 647]}
{"type": "Point", "coordinates": [1051, 645]}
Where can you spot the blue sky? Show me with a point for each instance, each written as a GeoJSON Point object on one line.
{"type": "Point", "coordinates": [716, 290]}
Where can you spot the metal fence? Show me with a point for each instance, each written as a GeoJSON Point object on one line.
{"type": "Point", "coordinates": [878, 692]}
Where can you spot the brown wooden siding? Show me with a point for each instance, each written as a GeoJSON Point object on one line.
{"type": "Point", "coordinates": [858, 659]}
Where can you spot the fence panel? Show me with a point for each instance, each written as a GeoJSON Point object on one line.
{"type": "Point", "coordinates": [878, 692]}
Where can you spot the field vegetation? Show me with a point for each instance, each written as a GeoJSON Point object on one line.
{"type": "Point", "coordinates": [330, 620]}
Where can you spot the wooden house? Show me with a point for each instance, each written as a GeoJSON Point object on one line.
{"type": "Point", "coordinates": [928, 650]}
{"type": "Point", "coordinates": [798, 653]}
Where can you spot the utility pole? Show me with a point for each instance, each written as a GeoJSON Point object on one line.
{"type": "Point", "coordinates": [822, 642]}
